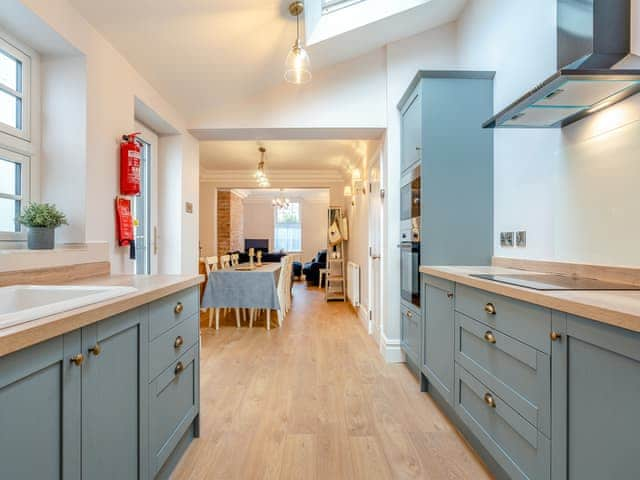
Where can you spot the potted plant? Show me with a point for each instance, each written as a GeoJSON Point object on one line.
{"type": "Point", "coordinates": [42, 220]}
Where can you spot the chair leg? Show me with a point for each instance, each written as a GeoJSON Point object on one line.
{"type": "Point", "coordinates": [280, 317]}
{"type": "Point", "coordinates": [252, 312]}
{"type": "Point", "coordinates": [238, 317]}
{"type": "Point", "coordinates": [217, 319]}
{"type": "Point", "coordinates": [211, 317]}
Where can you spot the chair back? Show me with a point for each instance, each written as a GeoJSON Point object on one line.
{"type": "Point", "coordinates": [235, 259]}
{"type": "Point", "coordinates": [225, 261]}
{"type": "Point", "coordinates": [210, 264]}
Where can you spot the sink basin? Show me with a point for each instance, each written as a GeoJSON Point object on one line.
{"type": "Point", "coordinates": [23, 303]}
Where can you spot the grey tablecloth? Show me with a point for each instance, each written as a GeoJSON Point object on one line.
{"type": "Point", "coordinates": [243, 289]}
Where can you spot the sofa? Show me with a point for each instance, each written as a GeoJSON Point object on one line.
{"type": "Point", "coordinates": [311, 270]}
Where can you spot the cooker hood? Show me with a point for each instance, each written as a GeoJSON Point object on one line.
{"type": "Point", "coordinates": [595, 69]}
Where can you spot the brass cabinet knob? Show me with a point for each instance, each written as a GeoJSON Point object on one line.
{"type": "Point", "coordinates": [488, 399]}
{"type": "Point", "coordinates": [179, 368]}
{"type": "Point", "coordinates": [409, 314]}
{"type": "Point", "coordinates": [449, 295]}
{"type": "Point", "coordinates": [489, 336]}
{"type": "Point", "coordinates": [555, 336]}
{"type": "Point", "coordinates": [96, 349]}
{"type": "Point", "coordinates": [179, 307]}
{"type": "Point", "coordinates": [77, 359]}
{"type": "Point", "coordinates": [490, 308]}
{"type": "Point", "coordinates": [178, 343]}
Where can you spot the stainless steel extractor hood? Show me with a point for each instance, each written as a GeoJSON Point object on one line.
{"type": "Point", "coordinates": [593, 47]}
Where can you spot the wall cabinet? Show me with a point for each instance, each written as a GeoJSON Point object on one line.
{"type": "Point", "coordinates": [411, 132]}
{"type": "Point", "coordinates": [595, 398]}
{"type": "Point", "coordinates": [438, 330]}
{"type": "Point", "coordinates": [78, 406]}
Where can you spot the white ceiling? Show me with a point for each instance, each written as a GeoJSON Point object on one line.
{"type": "Point", "coordinates": [286, 155]}
{"type": "Point", "coordinates": [202, 53]}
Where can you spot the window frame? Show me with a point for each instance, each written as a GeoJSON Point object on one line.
{"type": "Point", "coordinates": [334, 5]}
{"type": "Point", "coordinates": [275, 226]}
{"type": "Point", "coordinates": [24, 58]}
{"type": "Point", "coordinates": [25, 182]}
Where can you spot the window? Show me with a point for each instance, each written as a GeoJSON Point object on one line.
{"type": "Point", "coordinates": [288, 231]}
{"type": "Point", "coordinates": [14, 91]}
{"type": "Point", "coordinates": [329, 6]}
{"type": "Point", "coordinates": [14, 188]}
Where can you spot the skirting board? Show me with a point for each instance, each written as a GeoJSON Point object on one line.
{"type": "Point", "coordinates": [391, 350]}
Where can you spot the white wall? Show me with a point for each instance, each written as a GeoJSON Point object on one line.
{"type": "Point", "coordinates": [112, 85]}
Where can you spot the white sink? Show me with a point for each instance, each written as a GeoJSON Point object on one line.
{"type": "Point", "coordinates": [23, 303]}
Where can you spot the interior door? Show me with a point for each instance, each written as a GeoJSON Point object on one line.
{"type": "Point", "coordinates": [375, 248]}
{"type": "Point", "coordinates": [145, 205]}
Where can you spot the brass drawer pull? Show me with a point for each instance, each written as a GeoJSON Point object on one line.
{"type": "Point", "coordinates": [490, 308]}
{"type": "Point", "coordinates": [96, 349]}
{"type": "Point", "coordinates": [77, 359]}
{"type": "Point", "coordinates": [555, 336]}
{"type": "Point", "coordinates": [489, 336]}
{"type": "Point", "coordinates": [488, 399]}
{"type": "Point", "coordinates": [179, 368]}
{"type": "Point", "coordinates": [179, 307]}
{"type": "Point", "coordinates": [178, 343]}
{"type": "Point", "coordinates": [409, 314]}
{"type": "Point", "coordinates": [449, 295]}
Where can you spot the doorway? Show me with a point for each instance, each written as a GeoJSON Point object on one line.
{"type": "Point", "coordinates": [145, 204]}
{"type": "Point", "coordinates": [375, 248]}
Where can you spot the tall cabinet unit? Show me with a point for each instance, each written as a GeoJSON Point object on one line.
{"type": "Point", "coordinates": [441, 120]}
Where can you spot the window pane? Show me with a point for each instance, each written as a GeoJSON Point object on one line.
{"type": "Point", "coordinates": [10, 72]}
{"type": "Point", "coordinates": [10, 110]}
{"type": "Point", "coordinates": [8, 212]}
{"type": "Point", "coordinates": [9, 177]}
{"type": "Point", "coordinates": [288, 231]}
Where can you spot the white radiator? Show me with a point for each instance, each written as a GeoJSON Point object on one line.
{"type": "Point", "coordinates": [353, 284]}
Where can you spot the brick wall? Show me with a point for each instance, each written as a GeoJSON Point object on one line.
{"type": "Point", "coordinates": [230, 223]}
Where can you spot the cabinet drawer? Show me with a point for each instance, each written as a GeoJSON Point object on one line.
{"type": "Point", "coordinates": [517, 372]}
{"type": "Point", "coordinates": [173, 405]}
{"type": "Point", "coordinates": [170, 310]}
{"type": "Point", "coordinates": [410, 333]}
{"type": "Point", "coordinates": [166, 349]}
{"type": "Point", "coordinates": [526, 322]}
{"type": "Point", "coordinates": [514, 443]}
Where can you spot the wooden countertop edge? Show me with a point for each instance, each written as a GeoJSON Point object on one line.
{"type": "Point", "coordinates": [27, 334]}
{"type": "Point", "coordinates": [609, 316]}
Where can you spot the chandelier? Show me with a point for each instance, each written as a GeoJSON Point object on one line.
{"type": "Point", "coordinates": [281, 201]}
{"type": "Point", "coordinates": [261, 177]}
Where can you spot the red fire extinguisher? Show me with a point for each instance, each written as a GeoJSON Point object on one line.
{"type": "Point", "coordinates": [125, 227]}
{"type": "Point", "coordinates": [130, 165]}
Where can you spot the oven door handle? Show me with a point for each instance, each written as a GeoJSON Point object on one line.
{"type": "Point", "coordinates": [405, 244]}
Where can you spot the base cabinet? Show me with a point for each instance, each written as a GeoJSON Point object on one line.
{"type": "Point", "coordinates": [595, 399]}
{"type": "Point", "coordinates": [83, 405]}
{"type": "Point", "coordinates": [438, 332]}
{"type": "Point", "coordinates": [40, 411]}
{"type": "Point", "coordinates": [410, 332]}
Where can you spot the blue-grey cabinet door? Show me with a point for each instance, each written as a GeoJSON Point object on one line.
{"type": "Point", "coordinates": [114, 397]}
{"type": "Point", "coordinates": [411, 144]}
{"type": "Point", "coordinates": [438, 336]}
{"type": "Point", "coordinates": [40, 411]}
{"type": "Point", "coordinates": [595, 397]}
{"type": "Point", "coordinates": [410, 334]}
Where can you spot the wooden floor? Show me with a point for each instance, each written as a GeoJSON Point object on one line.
{"type": "Point", "coordinates": [315, 400]}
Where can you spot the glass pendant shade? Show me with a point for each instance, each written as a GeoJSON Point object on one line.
{"type": "Point", "coordinates": [297, 66]}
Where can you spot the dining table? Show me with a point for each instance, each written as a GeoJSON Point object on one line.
{"type": "Point", "coordinates": [243, 286]}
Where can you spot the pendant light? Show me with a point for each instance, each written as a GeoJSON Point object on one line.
{"type": "Point", "coordinates": [261, 177]}
{"type": "Point", "coordinates": [281, 201]}
{"type": "Point", "coordinates": [298, 65]}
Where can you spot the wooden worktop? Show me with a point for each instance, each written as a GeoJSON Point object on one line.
{"type": "Point", "coordinates": [617, 308]}
{"type": "Point", "coordinates": [149, 288]}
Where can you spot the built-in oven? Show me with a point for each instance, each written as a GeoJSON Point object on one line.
{"type": "Point", "coordinates": [410, 237]}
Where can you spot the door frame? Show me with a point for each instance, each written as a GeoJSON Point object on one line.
{"type": "Point", "coordinates": [375, 244]}
{"type": "Point", "coordinates": [150, 137]}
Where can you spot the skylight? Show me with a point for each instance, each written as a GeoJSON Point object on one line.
{"type": "Point", "coordinates": [330, 6]}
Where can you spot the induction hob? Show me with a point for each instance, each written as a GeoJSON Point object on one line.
{"type": "Point", "coordinates": [549, 282]}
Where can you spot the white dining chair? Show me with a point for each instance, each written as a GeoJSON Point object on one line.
{"type": "Point", "coordinates": [211, 265]}
{"type": "Point", "coordinates": [225, 261]}
{"type": "Point", "coordinates": [235, 259]}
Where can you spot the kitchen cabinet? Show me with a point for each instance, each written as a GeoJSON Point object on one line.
{"type": "Point", "coordinates": [411, 132]}
{"type": "Point", "coordinates": [85, 406]}
{"type": "Point", "coordinates": [410, 328]}
{"type": "Point", "coordinates": [40, 415]}
{"type": "Point", "coordinates": [595, 395]}
{"type": "Point", "coordinates": [438, 331]}
{"type": "Point", "coordinates": [114, 397]}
